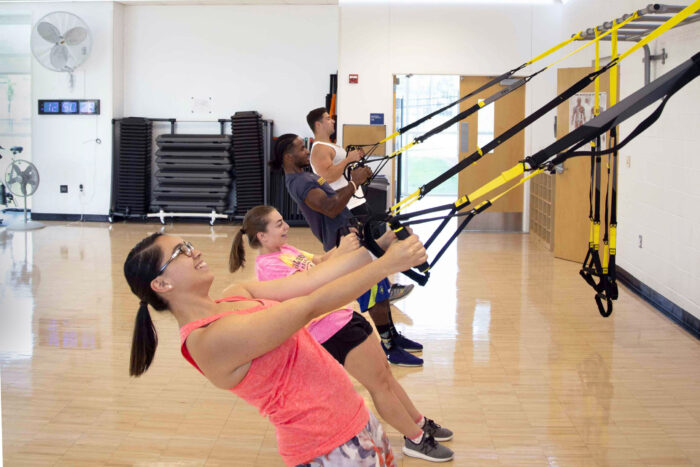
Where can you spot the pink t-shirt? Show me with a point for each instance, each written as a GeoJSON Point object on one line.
{"type": "Point", "coordinates": [305, 393]}
{"type": "Point", "coordinates": [286, 262]}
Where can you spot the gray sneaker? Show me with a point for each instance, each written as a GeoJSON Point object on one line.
{"type": "Point", "coordinates": [427, 449]}
{"type": "Point", "coordinates": [398, 291]}
{"type": "Point", "coordinates": [438, 432]}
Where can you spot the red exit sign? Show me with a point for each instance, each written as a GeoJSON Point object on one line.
{"type": "Point", "coordinates": [354, 78]}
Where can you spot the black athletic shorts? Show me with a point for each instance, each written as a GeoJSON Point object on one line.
{"type": "Point", "coordinates": [348, 337]}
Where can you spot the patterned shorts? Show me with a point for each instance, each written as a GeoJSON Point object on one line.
{"type": "Point", "coordinates": [369, 448]}
{"type": "Point", "coordinates": [378, 293]}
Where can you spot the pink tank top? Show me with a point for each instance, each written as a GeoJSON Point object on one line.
{"type": "Point", "coordinates": [306, 393]}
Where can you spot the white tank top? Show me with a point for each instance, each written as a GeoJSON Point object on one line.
{"type": "Point", "coordinates": [340, 155]}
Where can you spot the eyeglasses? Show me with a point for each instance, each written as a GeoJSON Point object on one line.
{"type": "Point", "coordinates": [184, 248]}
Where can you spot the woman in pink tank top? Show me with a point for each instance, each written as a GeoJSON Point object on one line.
{"type": "Point", "coordinates": [258, 348]}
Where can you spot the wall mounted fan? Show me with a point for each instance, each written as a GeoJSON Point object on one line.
{"type": "Point", "coordinates": [61, 41]}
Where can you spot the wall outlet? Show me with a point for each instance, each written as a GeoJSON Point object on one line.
{"type": "Point", "coordinates": [640, 241]}
{"type": "Point", "coordinates": [64, 188]}
{"type": "Point", "coordinates": [628, 161]}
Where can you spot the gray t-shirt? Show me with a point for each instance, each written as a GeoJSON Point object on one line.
{"type": "Point", "coordinates": [323, 227]}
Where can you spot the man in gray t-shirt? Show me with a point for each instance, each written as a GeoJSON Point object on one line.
{"type": "Point", "coordinates": [323, 208]}
{"type": "Point", "coordinates": [326, 212]}
{"type": "Point", "coordinates": [325, 228]}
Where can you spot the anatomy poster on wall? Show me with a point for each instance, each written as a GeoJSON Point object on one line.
{"type": "Point", "coordinates": [581, 109]}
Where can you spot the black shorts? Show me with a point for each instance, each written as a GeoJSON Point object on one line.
{"type": "Point", "coordinates": [348, 337]}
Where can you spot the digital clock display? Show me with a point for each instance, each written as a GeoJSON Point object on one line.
{"type": "Point", "coordinates": [49, 107]}
{"type": "Point", "coordinates": [69, 107]}
{"type": "Point", "coordinates": [87, 107]}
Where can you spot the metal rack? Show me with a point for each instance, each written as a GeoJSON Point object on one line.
{"type": "Point", "coordinates": [649, 19]}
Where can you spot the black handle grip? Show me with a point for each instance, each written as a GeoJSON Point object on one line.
{"type": "Point", "coordinates": [371, 244]}
{"type": "Point", "coordinates": [402, 234]}
{"type": "Point", "coordinates": [604, 312]}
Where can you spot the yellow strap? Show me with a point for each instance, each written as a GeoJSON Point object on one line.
{"type": "Point", "coordinates": [634, 16]}
{"type": "Point", "coordinates": [405, 148]}
{"type": "Point", "coordinates": [672, 22]}
{"type": "Point", "coordinates": [606, 259]}
{"type": "Point", "coordinates": [556, 47]}
{"type": "Point", "coordinates": [596, 235]}
{"type": "Point", "coordinates": [391, 136]}
{"type": "Point", "coordinates": [461, 201]}
{"type": "Point", "coordinates": [613, 72]}
{"type": "Point", "coordinates": [613, 239]}
{"type": "Point", "coordinates": [404, 203]}
{"type": "Point", "coordinates": [505, 177]}
{"type": "Point", "coordinates": [523, 180]}
{"type": "Point", "coordinates": [596, 83]}
{"type": "Point", "coordinates": [590, 234]}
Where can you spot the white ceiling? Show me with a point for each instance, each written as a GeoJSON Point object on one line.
{"type": "Point", "coordinates": [228, 2]}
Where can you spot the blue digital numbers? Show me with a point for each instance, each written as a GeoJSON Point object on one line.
{"type": "Point", "coordinates": [87, 107]}
{"type": "Point", "coordinates": [49, 107]}
{"type": "Point", "coordinates": [69, 107]}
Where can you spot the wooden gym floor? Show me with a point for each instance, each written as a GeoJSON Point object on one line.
{"type": "Point", "coordinates": [518, 362]}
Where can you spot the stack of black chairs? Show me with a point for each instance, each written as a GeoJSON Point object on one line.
{"type": "Point", "coordinates": [131, 173]}
{"type": "Point", "coordinates": [248, 156]}
{"type": "Point", "coordinates": [194, 173]}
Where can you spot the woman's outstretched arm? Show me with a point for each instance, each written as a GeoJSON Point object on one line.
{"type": "Point", "coordinates": [303, 283]}
{"type": "Point", "coordinates": [235, 340]}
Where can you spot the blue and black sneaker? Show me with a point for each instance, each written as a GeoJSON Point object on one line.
{"type": "Point", "coordinates": [405, 343]}
{"type": "Point", "coordinates": [398, 356]}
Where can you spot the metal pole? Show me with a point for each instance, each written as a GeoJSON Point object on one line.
{"type": "Point", "coordinates": [647, 64]}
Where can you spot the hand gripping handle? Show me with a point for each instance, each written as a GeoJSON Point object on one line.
{"type": "Point", "coordinates": [370, 243]}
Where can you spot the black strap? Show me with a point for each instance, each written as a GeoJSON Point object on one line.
{"type": "Point", "coordinates": [517, 128]}
{"type": "Point", "coordinates": [491, 83]}
{"type": "Point", "coordinates": [666, 85]}
{"type": "Point", "coordinates": [475, 108]}
{"type": "Point", "coordinates": [371, 244]}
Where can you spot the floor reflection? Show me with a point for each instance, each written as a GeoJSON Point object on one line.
{"type": "Point", "coordinates": [481, 327]}
{"type": "Point", "coordinates": [21, 280]}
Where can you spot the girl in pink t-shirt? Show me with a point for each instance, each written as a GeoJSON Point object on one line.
{"type": "Point", "coordinates": [343, 333]}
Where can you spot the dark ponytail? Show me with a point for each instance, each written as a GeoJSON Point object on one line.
{"type": "Point", "coordinates": [255, 221]}
{"type": "Point", "coordinates": [140, 268]}
{"type": "Point", "coordinates": [143, 343]}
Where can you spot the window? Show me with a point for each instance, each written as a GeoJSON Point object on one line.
{"type": "Point", "coordinates": [485, 125]}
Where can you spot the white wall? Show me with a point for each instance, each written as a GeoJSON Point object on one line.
{"type": "Point", "coordinates": [273, 59]}
{"type": "Point", "coordinates": [659, 196]}
{"type": "Point", "coordinates": [378, 40]}
{"type": "Point", "coordinates": [118, 60]}
{"type": "Point", "coordinates": [63, 147]}
{"type": "Point", "coordinates": [149, 60]}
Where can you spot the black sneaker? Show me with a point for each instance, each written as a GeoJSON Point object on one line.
{"type": "Point", "coordinates": [436, 431]}
{"type": "Point", "coordinates": [398, 356]}
{"type": "Point", "coordinates": [398, 291]}
{"type": "Point", "coordinates": [427, 449]}
{"type": "Point", "coordinates": [404, 342]}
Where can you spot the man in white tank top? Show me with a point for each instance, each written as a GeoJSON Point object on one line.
{"type": "Point", "coordinates": [329, 161]}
